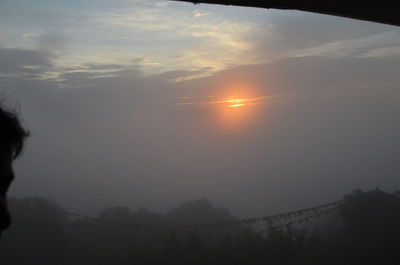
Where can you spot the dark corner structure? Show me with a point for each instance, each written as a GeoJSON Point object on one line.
{"type": "Point", "coordinates": [381, 11]}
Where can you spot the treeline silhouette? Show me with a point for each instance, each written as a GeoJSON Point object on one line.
{"type": "Point", "coordinates": [364, 229]}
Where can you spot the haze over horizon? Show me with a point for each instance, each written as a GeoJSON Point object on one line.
{"type": "Point", "coordinates": [152, 103]}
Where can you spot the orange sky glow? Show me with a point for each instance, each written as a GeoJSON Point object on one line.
{"type": "Point", "coordinates": [233, 107]}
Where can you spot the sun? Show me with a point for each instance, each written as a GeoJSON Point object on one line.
{"type": "Point", "coordinates": [235, 102]}
{"type": "Point", "coordinates": [236, 105]}
{"type": "Point", "coordinates": [232, 107]}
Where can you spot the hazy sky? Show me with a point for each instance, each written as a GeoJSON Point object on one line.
{"type": "Point", "coordinates": [150, 103]}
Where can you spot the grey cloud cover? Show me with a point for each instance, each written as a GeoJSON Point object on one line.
{"type": "Point", "coordinates": [123, 140]}
{"type": "Point", "coordinates": [22, 61]}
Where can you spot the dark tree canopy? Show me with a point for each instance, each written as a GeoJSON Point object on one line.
{"type": "Point", "coordinates": [366, 232]}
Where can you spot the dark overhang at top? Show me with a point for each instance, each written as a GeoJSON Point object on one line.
{"type": "Point", "coordinates": [383, 11]}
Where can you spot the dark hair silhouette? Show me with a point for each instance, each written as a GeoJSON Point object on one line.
{"type": "Point", "coordinates": [12, 134]}
{"type": "Point", "coordinates": [12, 138]}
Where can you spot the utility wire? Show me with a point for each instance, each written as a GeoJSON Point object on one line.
{"type": "Point", "coordinates": [312, 212]}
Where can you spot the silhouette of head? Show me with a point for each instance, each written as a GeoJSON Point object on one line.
{"type": "Point", "coordinates": [12, 136]}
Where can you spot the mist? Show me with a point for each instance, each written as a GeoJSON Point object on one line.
{"type": "Point", "coordinates": [125, 140]}
{"type": "Point", "coordinates": [127, 111]}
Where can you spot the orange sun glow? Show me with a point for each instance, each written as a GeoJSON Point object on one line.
{"type": "Point", "coordinates": [235, 113]}
{"type": "Point", "coordinates": [233, 107]}
{"type": "Point", "coordinates": [235, 103]}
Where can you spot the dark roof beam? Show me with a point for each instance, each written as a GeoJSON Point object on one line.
{"type": "Point", "coordinates": [383, 11]}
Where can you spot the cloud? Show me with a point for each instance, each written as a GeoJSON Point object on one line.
{"type": "Point", "coordinates": [196, 40]}
{"type": "Point", "coordinates": [22, 62]}
{"type": "Point", "coordinates": [392, 51]}
{"type": "Point", "coordinates": [53, 42]}
{"type": "Point", "coordinates": [380, 44]}
{"type": "Point", "coordinates": [282, 35]}
{"type": "Point", "coordinates": [229, 101]}
{"type": "Point", "coordinates": [173, 39]}
{"type": "Point", "coordinates": [311, 76]}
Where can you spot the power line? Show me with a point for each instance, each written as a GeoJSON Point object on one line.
{"type": "Point", "coordinates": [311, 212]}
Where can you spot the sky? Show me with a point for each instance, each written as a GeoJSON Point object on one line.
{"type": "Point", "coordinates": [144, 103]}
